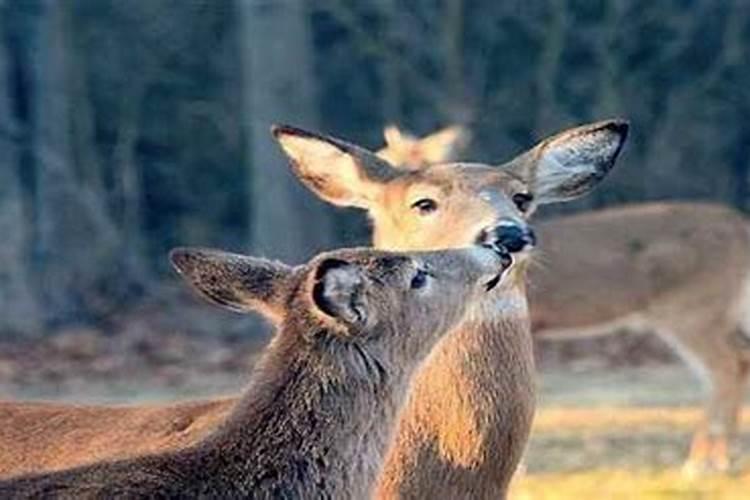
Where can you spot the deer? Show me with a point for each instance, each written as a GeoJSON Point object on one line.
{"type": "Point", "coordinates": [409, 151]}
{"type": "Point", "coordinates": [464, 428]}
{"type": "Point", "coordinates": [317, 416]}
{"type": "Point", "coordinates": [674, 268]}
{"type": "Point", "coordinates": [44, 436]}
{"type": "Point", "coordinates": [655, 253]}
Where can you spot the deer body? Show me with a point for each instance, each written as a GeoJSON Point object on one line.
{"type": "Point", "coordinates": [681, 270]}
{"type": "Point", "coordinates": [319, 413]}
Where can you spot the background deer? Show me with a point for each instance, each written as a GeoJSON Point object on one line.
{"type": "Point", "coordinates": [37, 437]}
{"type": "Point", "coordinates": [465, 427]}
{"type": "Point", "coordinates": [406, 150]}
{"type": "Point", "coordinates": [319, 412]}
{"type": "Point", "coordinates": [678, 269]}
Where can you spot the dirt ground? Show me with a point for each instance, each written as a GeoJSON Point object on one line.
{"type": "Point", "coordinates": [614, 421]}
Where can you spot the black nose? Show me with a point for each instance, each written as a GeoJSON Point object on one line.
{"type": "Point", "coordinates": [513, 236]}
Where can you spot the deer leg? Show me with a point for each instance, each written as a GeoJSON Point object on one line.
{"type": "Point", "coordinates": [711, 447]}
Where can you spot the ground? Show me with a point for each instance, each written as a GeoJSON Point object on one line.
{"type": "Point", "coordinates": [622, 435]}
{"type": "Point", "coordinates": [614, 421]}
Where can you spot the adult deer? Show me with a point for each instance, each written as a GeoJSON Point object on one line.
{"type": "Point", "coordinates": [317, 418]}
{"type": "Point", "coordinates": [656, 254]}
{"type": "Point", "coordinates": [465, 427]}
{"type": "Point", "coordinates": [678, 269]}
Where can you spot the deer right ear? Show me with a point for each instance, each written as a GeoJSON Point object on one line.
{"type": "Point", "coordinates": [339, 172]}
{"type": "Point", "coordinates": [235, 282]}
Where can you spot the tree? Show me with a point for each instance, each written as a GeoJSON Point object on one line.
{"type": "Point", "coordinates": [19, 310]}
{"type": "Point", "coordinates": [286, 221]}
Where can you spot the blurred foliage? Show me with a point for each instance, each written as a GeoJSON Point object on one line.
{"type": "Point", "coordinates": [127, 128]}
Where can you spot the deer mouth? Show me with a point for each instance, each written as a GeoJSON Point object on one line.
{"type": "Point", "coordinates": [506, 260]}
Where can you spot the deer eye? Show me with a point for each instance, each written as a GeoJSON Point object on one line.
{"type": "Point", "coordinates": [419, 280]}
{"type": "Point", "coordinates": [425, 206]}
{"type": "Point", "coordinates": [523, 201]}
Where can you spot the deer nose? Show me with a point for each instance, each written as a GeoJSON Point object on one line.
{"type": "Point", "coordinates": [512, 235]}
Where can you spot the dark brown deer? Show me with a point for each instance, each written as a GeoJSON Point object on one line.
{"type": "Point", "coordinates": [318, 415]}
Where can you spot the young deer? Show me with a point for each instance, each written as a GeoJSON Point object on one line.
{"type": "Point", "coordinates": [678, 269]}
{"type": "Point", "coordinates": [464, 427]}
{"type": "Point", "coordinates": [320, 409]}
{"type": "Point", "coordinates": [36, 437]}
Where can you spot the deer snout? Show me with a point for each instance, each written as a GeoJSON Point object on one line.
{"type": "Point", "coordinates": [512, 235]}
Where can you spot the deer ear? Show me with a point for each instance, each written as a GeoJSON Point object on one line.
{"type": "Point", "coordinates": [339, 172]}
{"type": "Point", "coordinates": [338, 292]}
{"type": "Point", "coordinates": [443, 145]}
{"type": "Point", "coordinates": [392, 135]}
{"type": "Point", "coordinates": [235, 282]}
{"type": "Point", "coordinates": [571, 163]}
{"type": "Point", "coordinates": [409, 152]}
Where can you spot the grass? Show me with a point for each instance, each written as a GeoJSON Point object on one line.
{"type": "Point", "coordinates": [622, 435]}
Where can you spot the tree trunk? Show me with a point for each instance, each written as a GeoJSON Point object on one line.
{"type": "Point", "coordinates": [286, 221]}
{"type": "Point", "coordinates": [75, 241]}
{"type": "Point", "coordinates": [19, 311]}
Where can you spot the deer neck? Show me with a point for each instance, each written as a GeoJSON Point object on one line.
{"type": "Point", "coordinates": [321, 423]}
{"type": "Point", "coordinates": [469, 411]}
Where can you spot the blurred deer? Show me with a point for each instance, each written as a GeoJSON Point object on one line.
{"type": "Point", "coordinates": [409, 151]}
{"type": "Point", "coordinates": [678, 269]}
{"type": "Point", "coordinates": [318, 415]}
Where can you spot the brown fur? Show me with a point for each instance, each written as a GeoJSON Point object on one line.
{"type": "Point", "coordinates": [472, 198]}
{"type": "Point", "coordinates": [469, 412]}
{"type": "Point", "coordinates": [678, 269]}
{"type": "Point", "coordinates": [323, 402]}
{"type": "Point", "coordinates": [411, 152]}
{"type": "Point", "coordinates": [36, 437]}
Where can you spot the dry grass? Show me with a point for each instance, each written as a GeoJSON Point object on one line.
{"type": "Point", "coordinates": [621, 453]}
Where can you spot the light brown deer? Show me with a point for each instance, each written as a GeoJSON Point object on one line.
{"type": "Point", "coordinates": [318, 415]}
{"type": "Point", "coordinates": [669, 268]}
{"type": "Point", "coordinates": [678, 269]}
{"type": "Point", "coordinates": [465, 427]}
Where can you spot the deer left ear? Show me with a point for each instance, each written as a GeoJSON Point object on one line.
{"type": "Point", "coordinates": [571, 163]}
{"type": "Point", "coordinates": [236, 282]}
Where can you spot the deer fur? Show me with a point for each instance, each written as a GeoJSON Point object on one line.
{"type": "Point", "coordinates": [476, 426]}
{"type": "Point", "coordinates": [681, 270]}
{"type": "Point", "coordinates": [321, 407]}
{"type": "Point", "coordinates": [40, 436]}
{"type": "Point", "coordinates": [469, 411]}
